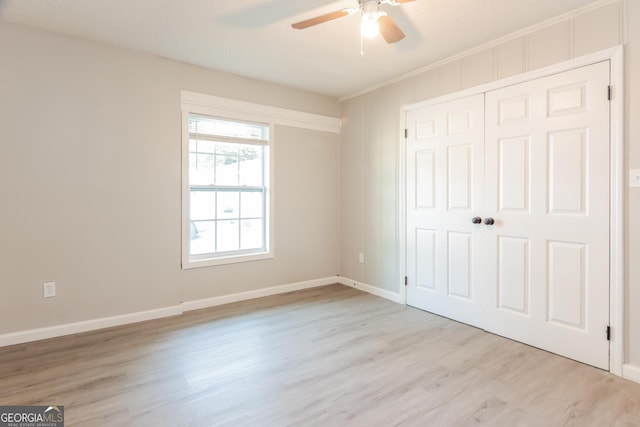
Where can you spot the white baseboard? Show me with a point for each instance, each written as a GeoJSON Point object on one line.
{"type": "Point", "coordinates": [631, 372]}
{"type": "Point", "coordinates": [125, 319]}
{"type": "Point", "coordinates": [86, 326]}
{"type": "Point", "coordinates": [258, 293]}
{"type": "Point", "coordinates": [392, 296]}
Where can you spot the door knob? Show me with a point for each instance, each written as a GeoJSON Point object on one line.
{"type": "Point", "coordinates": [489, 221]}
{"type": "Point", "coordinates": [476, 220]}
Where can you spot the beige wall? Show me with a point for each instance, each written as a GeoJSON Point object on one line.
{"type": "Point", "coordinates": [90, 183]}
{"type": "Point", "coordinates": [372, 130]}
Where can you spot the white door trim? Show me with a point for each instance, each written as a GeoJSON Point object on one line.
{"type": "Point", "coordinates": [616, 203]}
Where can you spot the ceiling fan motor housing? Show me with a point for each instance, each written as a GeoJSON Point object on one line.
{"type": "Point", "coordinates": [370, 13]}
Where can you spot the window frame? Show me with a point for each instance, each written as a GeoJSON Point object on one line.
{"type": "Point", "coordinates": [221, 111]}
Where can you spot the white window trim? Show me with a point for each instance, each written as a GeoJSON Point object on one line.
{"type": "Point", "coordinates": [189, 262]}
{"type": "Point", "coordinates": [247, 111]}
{"type": "Point", "coordinates": [196, 103]}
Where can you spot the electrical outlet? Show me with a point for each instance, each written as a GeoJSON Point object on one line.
{"type": "Point", "coordinates": [49, 289]}
{"type": "Point", "coordinates": [361, 258]}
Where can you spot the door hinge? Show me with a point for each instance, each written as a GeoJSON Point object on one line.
{"type": "Point", "coordinates": [608, 333]}
{"type": "Point", "coordinates": [406, 281]}
{"type": "Point", "coordinates": [609, 92]}
{"type": "Point", "coordinates": [406, 133]}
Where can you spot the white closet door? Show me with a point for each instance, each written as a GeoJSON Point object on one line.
{"type": "Point", "coordinates": [547, 188]}
{"type": "Point", "coordinates": [445, 180]}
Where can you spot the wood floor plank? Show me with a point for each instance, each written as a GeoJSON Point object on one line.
{"type": "Point", "coordinates": [329, 356]}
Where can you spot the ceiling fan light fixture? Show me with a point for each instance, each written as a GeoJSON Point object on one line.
{"type": "Point", "coordinates": [369, 26]}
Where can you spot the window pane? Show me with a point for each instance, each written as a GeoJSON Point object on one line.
{"type": "Point", "coordinates": [228, 236]}
{"type": "Point", "coordinates": [250, 152]}
{"type": "Point", "coordinates": [228, 204]}
{"type": "Point", "coordinates": [227, 170]}
{"type": "Point", "coordinates": [203, 237]}
{"type": "Point", "coordinates": [251, 234]}
{"type": "Point", "coordinates": [251, 205]}
{"type": "Point", "coordinates": [251, 172]}
{"type": "Point", "coordinates": [201, 169]}
{"type": "Point", "coordinates": [227, 149]}
{"type": "Point", "coordinates": [203, 205]}
{"type": "Point", "coordinates": [201, 146]}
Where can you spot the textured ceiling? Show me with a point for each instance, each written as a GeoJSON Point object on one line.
{"type": "Point", "coordinates": [253, 38]}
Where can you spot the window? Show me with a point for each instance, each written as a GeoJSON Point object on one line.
{"type": "Point", "coordinates": [227, 205]}
{"type": "Point", "coordinates": [227, 176]}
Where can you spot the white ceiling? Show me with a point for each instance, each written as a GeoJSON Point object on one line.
{"type": "Point", "coordinates": [254, 38]}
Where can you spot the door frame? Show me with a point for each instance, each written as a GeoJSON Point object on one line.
{"type": "Point", "coordinates": [616, 183]}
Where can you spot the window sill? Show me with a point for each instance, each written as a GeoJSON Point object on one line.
{"type": "Point", "coordinates": [234, 259]}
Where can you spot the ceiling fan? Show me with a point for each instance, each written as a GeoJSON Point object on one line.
{"type": "Point", "coordinates": [373, 21]}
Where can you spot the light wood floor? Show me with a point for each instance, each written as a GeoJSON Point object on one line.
{"type": "Point", "coordinates": [330, 356]}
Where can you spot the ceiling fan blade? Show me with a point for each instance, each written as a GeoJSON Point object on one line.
{"type": "Point", "coordinates": [389, 29]}
{"type": "Point", "coordinates": [322, 18]}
